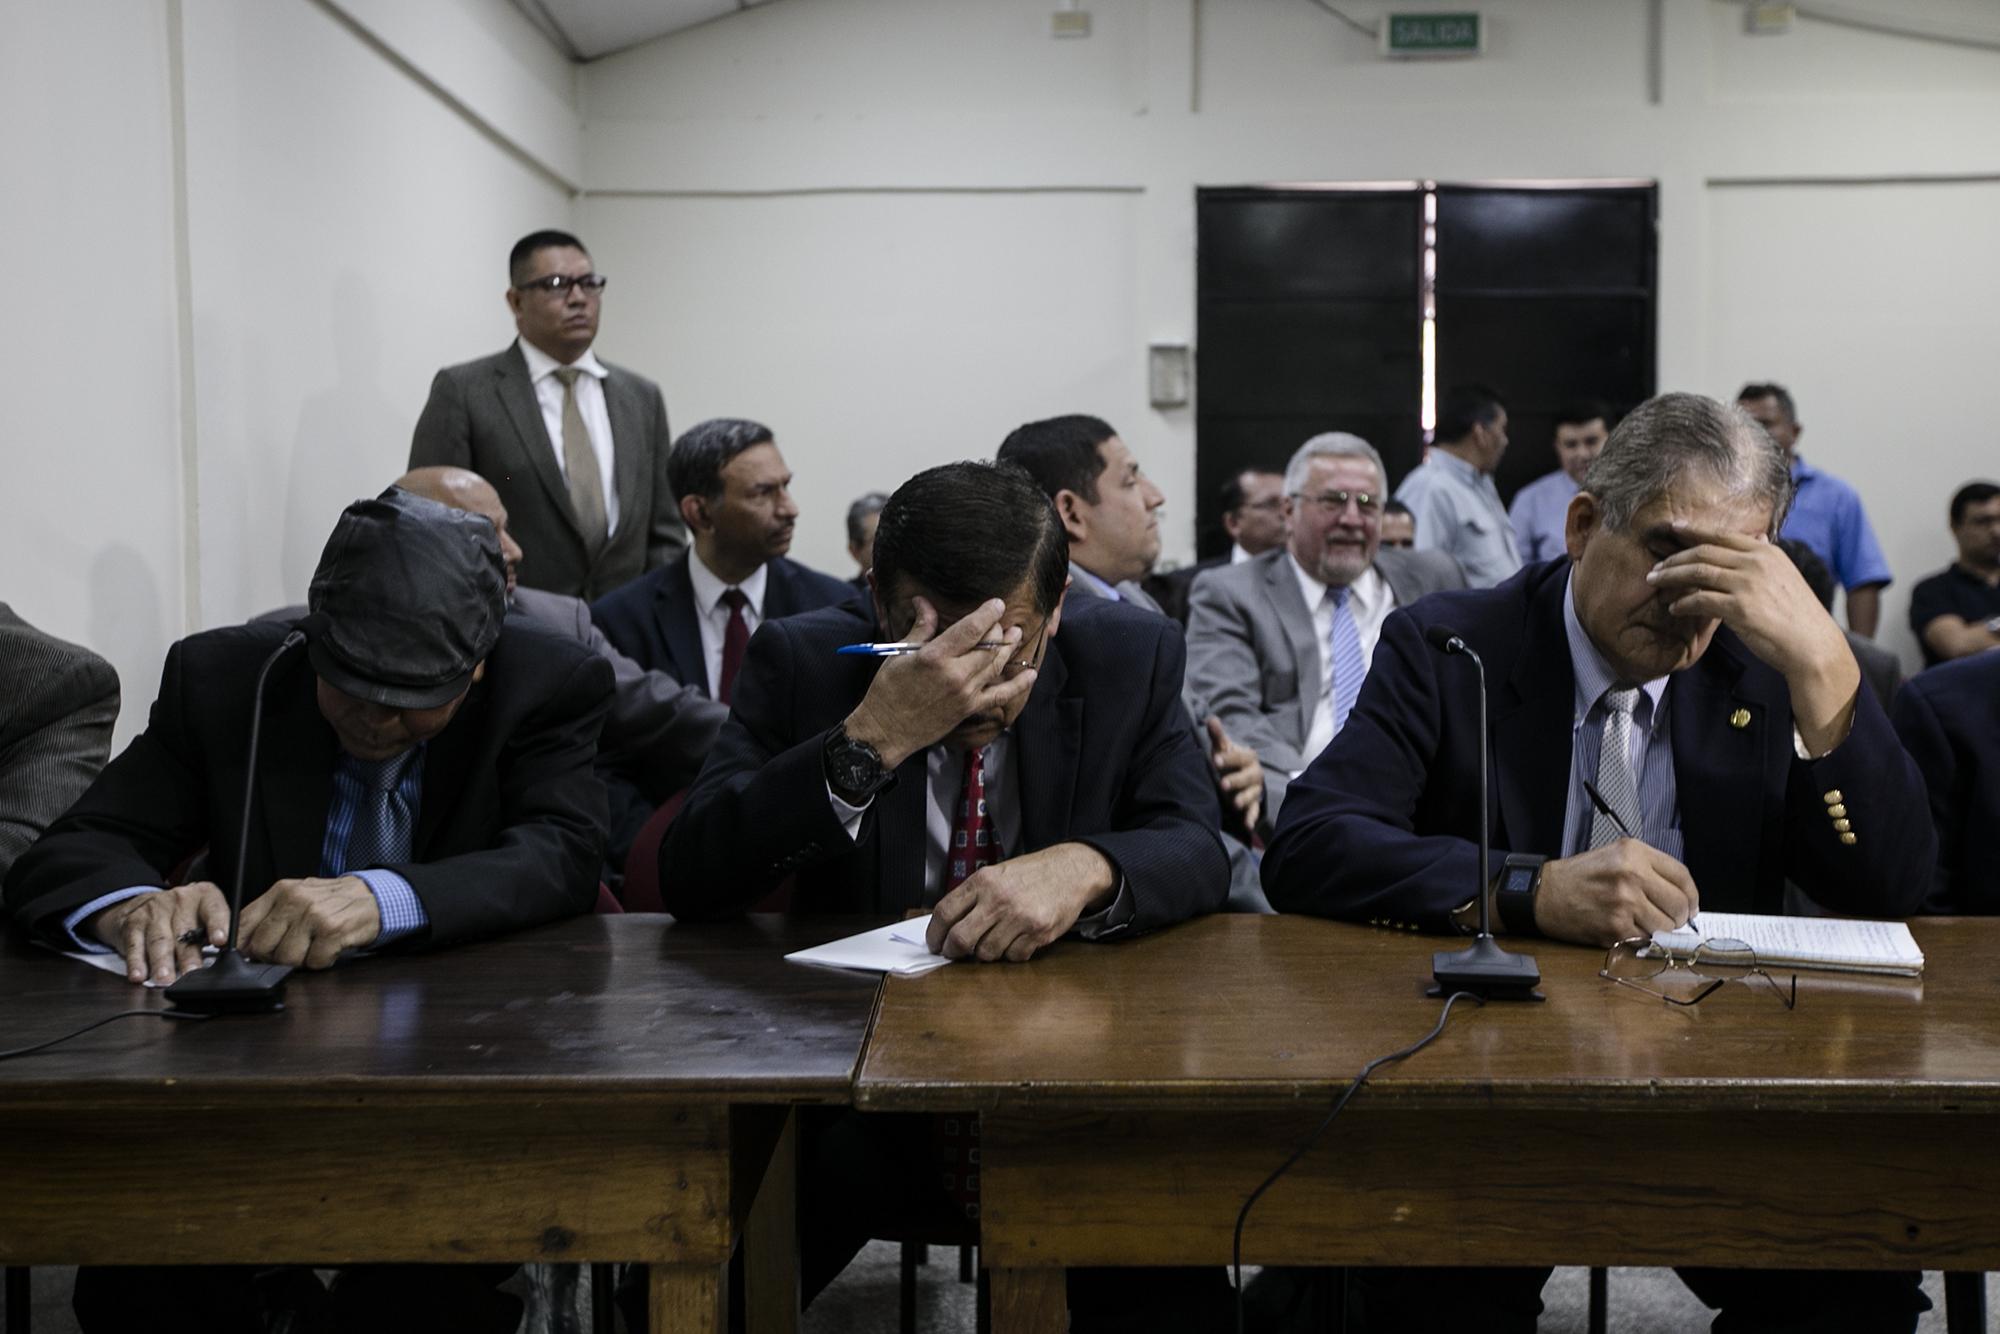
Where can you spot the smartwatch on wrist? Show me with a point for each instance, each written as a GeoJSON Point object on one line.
{"type": "Point", "coordinates": [1514, 891]}
{"type": "Point", "coordinates": [853, 768]}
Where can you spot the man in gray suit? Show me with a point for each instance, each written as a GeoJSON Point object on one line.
{"type": "Point", "coordinates": [1278, 645]}
{"type": "Point", "coordinates": [57, 705]}
{"type": "Point", "coordinates": [575, 447]}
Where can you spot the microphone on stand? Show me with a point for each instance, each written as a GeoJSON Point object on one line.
{"type": "Point", "coordinates": [233, 984]}
{"type": "Point", "coordinates": [1483, 968]}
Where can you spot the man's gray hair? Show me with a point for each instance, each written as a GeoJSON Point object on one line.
{"type": "Point", "coordinates": [1330, 445]}
{"type": "Point", "coordinates": [1669, 437]}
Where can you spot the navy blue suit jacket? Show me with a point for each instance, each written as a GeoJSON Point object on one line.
{"type": "Point", "coordinates": [652, 619]}
{"type": "Point", "coordinates": [1382, 827]}
{"type": "Point", "coordinates": [1949, 719]}
{"type": "Point", "coordinates": [1105, 754]}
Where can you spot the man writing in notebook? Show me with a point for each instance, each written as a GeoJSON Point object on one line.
{"type": "Point", "coordinates": [1677, 667]}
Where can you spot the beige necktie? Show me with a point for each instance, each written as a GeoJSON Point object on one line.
{"type": "Point", "coordinates": [586, 484]}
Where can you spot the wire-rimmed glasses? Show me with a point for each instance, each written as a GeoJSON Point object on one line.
{"type": "Point", "coordinates": [1690, 978]}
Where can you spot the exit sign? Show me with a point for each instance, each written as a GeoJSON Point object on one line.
{"type": "Point", "coordinates": [1432, 34]}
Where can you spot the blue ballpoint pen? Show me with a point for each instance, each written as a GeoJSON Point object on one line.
{"type": "Point", "coordinates": [892, 650]}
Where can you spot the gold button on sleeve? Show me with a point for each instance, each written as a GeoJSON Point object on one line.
{"type": "Point", "coordinates": [1849, 839]}
{"type": "Point", "coordinates": [1833, 798]}
{"type": "Point", "coordinates": [1842, 826]}
{"type": "Point", "coordinates": [1837, 810]}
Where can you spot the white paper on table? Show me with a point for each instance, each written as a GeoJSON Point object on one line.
{"type": "Point", "coordinates": [114, 963]}
{"type": "Point", "coordinates": [897, 948]}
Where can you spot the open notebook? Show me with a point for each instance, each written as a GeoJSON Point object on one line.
{"type": "Point", "coordinates": [898, 948]}
{"type": "Point", "coordinates": [1840, 944]}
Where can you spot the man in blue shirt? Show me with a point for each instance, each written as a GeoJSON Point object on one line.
{"type": "Point", "coordinates": [1457, 507]}
{"type": "Point", "coordinates": [1826, 512]}
{"type": "Point", "coordinates": [1540, 508]}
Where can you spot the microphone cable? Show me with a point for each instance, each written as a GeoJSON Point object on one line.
{"type": "Point", "coordinates": [109, 1018]}
{"type": "Point", "coordinates": [1243, 1214]}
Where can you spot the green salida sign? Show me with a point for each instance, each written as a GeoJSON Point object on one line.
{"type": "Point", "coordinates": [1431, 34]}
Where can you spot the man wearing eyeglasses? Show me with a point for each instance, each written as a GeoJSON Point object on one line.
{"type": "Point", "coordinates": [1278, 645]}
{"type": "Point", "coordinates": [576, 447]}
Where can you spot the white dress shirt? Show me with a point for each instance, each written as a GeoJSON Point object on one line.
{"type": "Point", "coordinates": [542, 370]}
{"type": "Point", "coordinates": [1369, 602]}
{"type": "Point", "coordinates": [713, 617]}
{"type": "Point", "coordinates": [1237, 555]}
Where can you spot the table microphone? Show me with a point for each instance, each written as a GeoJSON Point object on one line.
{"type": "Point", "coordinates": [233, 984]}
{"type": "Point", "coordinates": [1483, 968]}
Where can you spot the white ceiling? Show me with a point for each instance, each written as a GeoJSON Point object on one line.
{"type": "Point", "coordinates": [587, 29]}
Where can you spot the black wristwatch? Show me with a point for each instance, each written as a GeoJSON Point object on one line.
{"type": "Point", "coordinates": [1514, 891]}
{"type": "Point", "coordinates": [853, 768]}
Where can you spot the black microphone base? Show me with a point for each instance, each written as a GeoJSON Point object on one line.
{"type": "Point", "coordinates": [231, 985]}
{"type": "Point", "coordinates": [1487, 971]}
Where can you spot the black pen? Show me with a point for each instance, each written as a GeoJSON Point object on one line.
{"type": "Point", "coordinates": [1604, 809]}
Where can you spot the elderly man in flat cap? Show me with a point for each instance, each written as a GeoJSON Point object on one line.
{"type": "Point", "coordinates": [425, 777]}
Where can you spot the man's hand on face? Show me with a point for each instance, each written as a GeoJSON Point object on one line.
{"type": "Point", "coordinates": [307, 923]}
{"type": "Point", "coordinates": [916, 699]}
{"type": "Point", "coordinates": [1013, 908]}
{"type": "Point", "coordinates": [1752, 587]}
{"type": "Point", "coordinates": [1617, 892]}
{"type": "Point", "coordinates": [147, 930]}
{"type": "Point", "coordinates": [1238, 773]}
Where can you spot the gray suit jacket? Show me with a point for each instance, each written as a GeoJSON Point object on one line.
{"type": "Point", "coordinates": [1254, 656]}
{"type": "Point", "coordinates": [57, 705]}
{"type": "Point", "coordinates": [659, 731]}
{"type": "Point", "coordinates": [483, 415]}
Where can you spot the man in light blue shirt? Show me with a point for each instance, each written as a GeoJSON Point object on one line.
{"type": "Point", "coordinates": [1457, 507]}
{"type": "Point", "coordinates": [1826, 514]}
{"type": "Point", "coordinates": [1541, 508]}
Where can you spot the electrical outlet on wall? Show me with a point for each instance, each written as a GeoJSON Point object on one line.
{"type": "Point", "coordinates": [1768, 20]}
{"type": "Point", "coordinates": [1069, 23]}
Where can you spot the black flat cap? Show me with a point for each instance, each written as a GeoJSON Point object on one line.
{"type": "Point", "coordinates": [411, 594]}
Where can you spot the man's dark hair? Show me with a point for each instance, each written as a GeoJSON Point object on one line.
{"type": "Point", "coordinates": [868, 504]}
{"type": "Point", "coordinates": [1463, 407]}
{"type": "Point", "coordinates": [966, 532]}
{"type": "Point", "coordinates": [1233, 494]}
{"type": "Point", "coordinates": [525, 248]}
{"type": "Point", "coordinates": [1584, 410]}
{"type": "Point", "coordinates": [1972, 493]}
{"type": "Point", "coordinates": [1752, 392]}
{"type": "Point", "coordinates": [1060, 453]}
{"type": "Point", "coordinates": [1818, 578]}
{"type": "Point", "coordinates": [695, 464]}
{"type": "Point", "coordinates": [1394, 506]}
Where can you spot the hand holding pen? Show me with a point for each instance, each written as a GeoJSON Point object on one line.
{"type": "Point", "coordinates": [918, 696]}
{"type": "Point", "coordinates": [1604, 808]}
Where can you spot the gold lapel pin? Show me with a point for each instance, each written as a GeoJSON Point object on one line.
{"type": "Point", "coordinates": [1740, 719]}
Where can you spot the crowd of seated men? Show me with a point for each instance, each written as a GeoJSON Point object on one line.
{"type": "Point", "coordinates": [563, 628]}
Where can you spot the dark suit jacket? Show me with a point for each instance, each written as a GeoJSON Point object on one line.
{"type": "Point", "coordinates": [652, 620]}
{"type": "Point", "coordinates": [483, 415]}
{"type": "Point", "coordinates": [1170, 590]}
{"type": "Point", "coordinates": [1105, 758]}
{"type": "Point", "coordinates": [1382, 826]}
{"type": "Point", "coordinates": [509, 832]}
{"type": "Point", "coordinates": [1949, 719]}
{"type": "Point", "coordinates": [58, 703]}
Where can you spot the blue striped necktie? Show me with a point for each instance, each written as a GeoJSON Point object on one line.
{"type": "Point", "coordinates": [383, 824]}
{"type": "Point", "coordinates": [1344, 654]}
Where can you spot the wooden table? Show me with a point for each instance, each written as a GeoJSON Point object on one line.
{"type": "Point", "coordinates": [1133, 1095]}
{"type": "Point", "coordinates": [603, 1089]}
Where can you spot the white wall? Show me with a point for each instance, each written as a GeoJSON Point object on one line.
{"type": "Point", "coordinates": [352, 178]}
{"type": "Point", "coordinates": [768, 172]}
{"type": "Point", "coordinates": [90, 514]}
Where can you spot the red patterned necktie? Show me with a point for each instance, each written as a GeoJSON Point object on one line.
{"type": "Point", "coordinates": [972, 846]}
{"type": "Point", "coordinates": [972, 843]}
{"type": "Point", "coordinates": [734, 640]}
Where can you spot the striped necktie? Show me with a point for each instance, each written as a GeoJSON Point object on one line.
{"type": "Point", "coordinates": [1616, 782]}
{"type": "Point", "coordinates": [1344, 661]}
